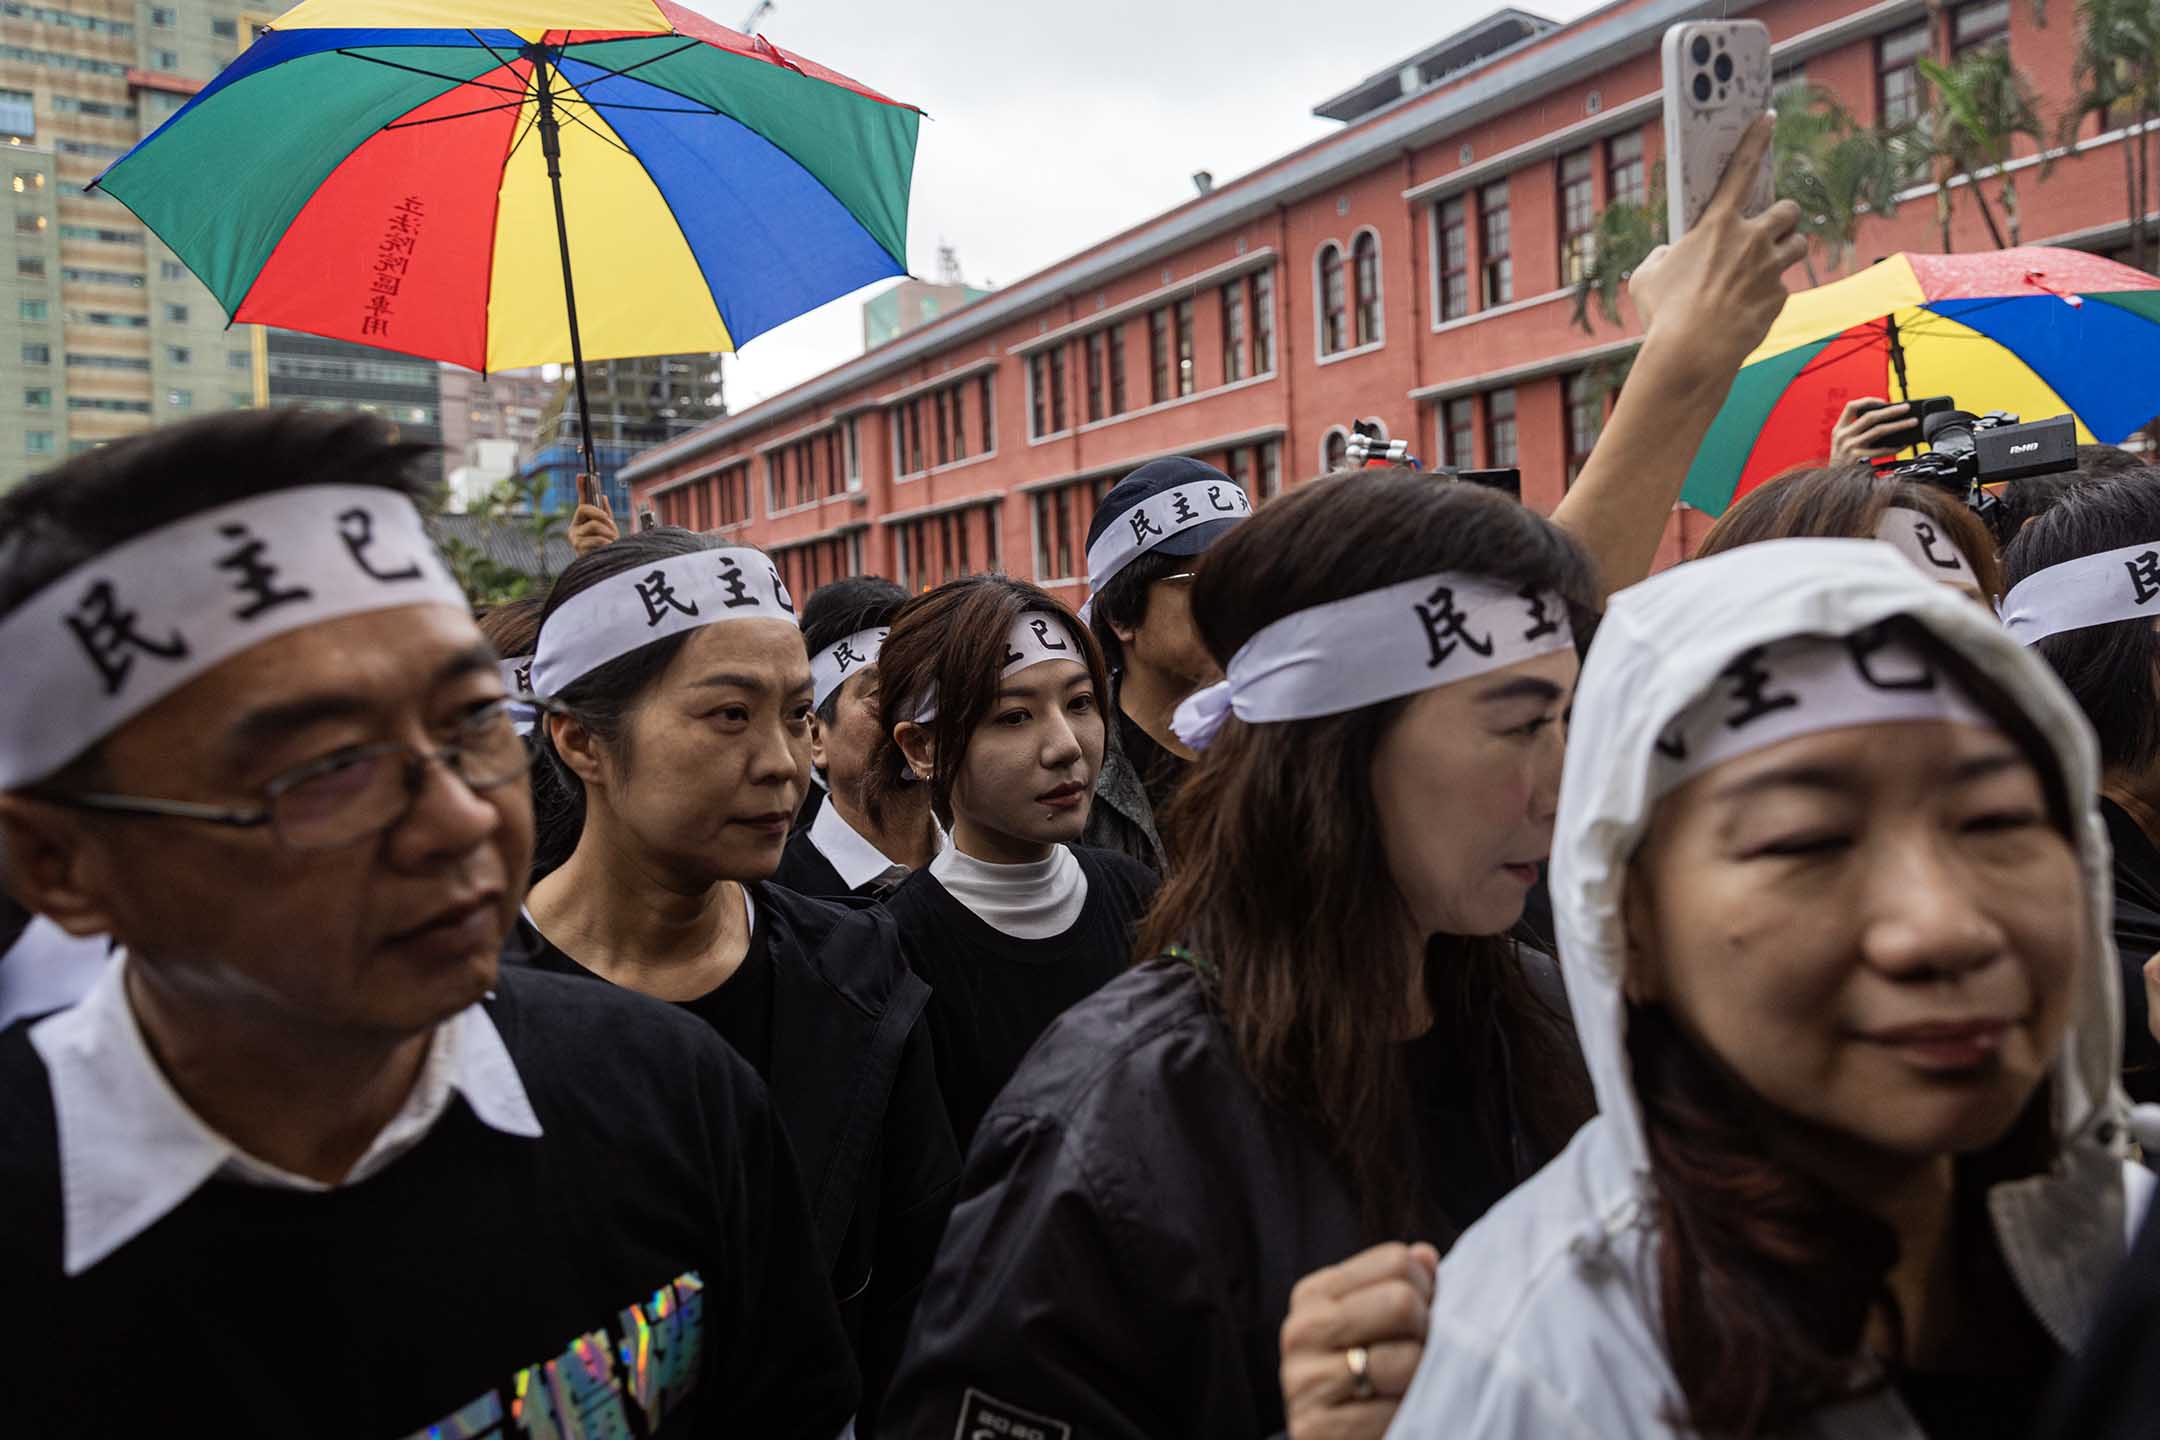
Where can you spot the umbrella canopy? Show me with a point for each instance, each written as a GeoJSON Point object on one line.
{"type": "Point", "coordinates": [379, 171]}
{"type": "Point", "coordinates": [2035, 331]}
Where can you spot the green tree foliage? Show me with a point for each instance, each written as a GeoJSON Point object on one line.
{"type": "Point", "coordinates": [2116, 71]}
{"type": "Point", "coordinates": [1978, 107]}
{"type": "Point", "coordinates": [487, 581]}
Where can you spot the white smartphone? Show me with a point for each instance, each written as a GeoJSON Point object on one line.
{"type": "Point", "coordinates": [1717, 81]}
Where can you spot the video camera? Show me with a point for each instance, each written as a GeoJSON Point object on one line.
{"type": "Point", "coordinates": [1968, 452]}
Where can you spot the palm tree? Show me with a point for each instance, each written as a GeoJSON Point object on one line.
{"type": "Point", "coordinates": [1979, 105]}
{"type": "Point", "coordinates": [1624, 237]}
{"type": "Point", "coordinates": [2105, 83]}
{"type": "Point", "coordinates": [2117, 72]}
{"type": "Point", "coordinates": [1837, 170]}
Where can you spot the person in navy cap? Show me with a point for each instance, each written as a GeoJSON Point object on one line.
{"type": "Point", "coordinates": [1143, 547]}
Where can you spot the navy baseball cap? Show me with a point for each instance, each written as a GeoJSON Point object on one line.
{"type": "Point", "coordinates": [1227, 501]}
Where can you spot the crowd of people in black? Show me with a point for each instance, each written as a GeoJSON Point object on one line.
{"type": "Point", "coordinates": [1390, 965]}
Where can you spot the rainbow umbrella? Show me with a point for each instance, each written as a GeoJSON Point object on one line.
{"type": "Point", "coordinates": [2035, 331]}
{"type": "Point", "coordinates": [420, 175]}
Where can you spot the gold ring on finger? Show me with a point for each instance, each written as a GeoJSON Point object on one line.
{"type": "Point", "coordinates": [1359, 1360]}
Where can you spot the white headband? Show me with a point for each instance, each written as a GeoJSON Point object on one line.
{"type": "Point", "coordinates": [1803, 685]}
{"type": "Point", "coordinates": [1036, 636]}
{"type": "Point", "coordinates": [831, 666]}
{"type": "Point", "coordinates": [1381, 645]}
{"type": "Point", "coordinates": [112, 637]}
{"type": "Point", "coordinates": [517, 679]}
{"type": "Point", "coordinates": [1932, 553]}
{"type": "Point", "coordinates": [633, 609]}
{"type": "Point", "coordinates": [1154, 520]}
{"type": "Point", "coordinates": [2091, 590]}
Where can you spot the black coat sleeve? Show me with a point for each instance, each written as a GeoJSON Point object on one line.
{"type": "Point", "coordinates": [2137, 939]}
{"type": "Point", "coordinates": [787, 1370]}
{"type": "Point", "coordinates": [921, 1172]}
{"type": "Point", "coordinates": [1032, 1314]}
{"type": "Point", "coordinates": [2111, 1390]}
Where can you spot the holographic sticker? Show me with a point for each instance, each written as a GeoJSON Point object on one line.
{"type": "Point", "coordinates": [579, 1394]}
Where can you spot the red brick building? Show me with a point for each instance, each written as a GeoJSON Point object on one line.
{"type": "Point", "coordinates": [1413, 268]}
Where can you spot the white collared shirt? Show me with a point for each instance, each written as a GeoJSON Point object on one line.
{"type": "Point", "coordinates": [131, 1151]}
{"type": "Point", "coordinates": [857, 861]}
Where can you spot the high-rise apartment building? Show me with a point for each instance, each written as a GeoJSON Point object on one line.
{"type": "Point", "coordinates": [636, 404]}
{"type": "Point", "coordinates": [327, 374]}
{"type": "Point", "coordinates": [480, 409]}
{"type": "Point", "coordinates": [107, 333]}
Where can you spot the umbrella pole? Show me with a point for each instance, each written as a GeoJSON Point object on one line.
{"type": "Point", "coordinates": [551, 148]}
{"type": "Point", "coordinates": [1897, 355]}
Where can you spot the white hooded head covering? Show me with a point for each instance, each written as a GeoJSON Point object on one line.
{"type": "Point", "coordinates": [1545, 1315]}
{"type": "Point", "coordinates": [1660, 649]}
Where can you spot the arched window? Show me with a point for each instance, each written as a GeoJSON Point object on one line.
{"type": "Point", "coordinates": [1335, 451]}
{"type": "Point", "coordinates": [1333, 318]}
{"type": "Point", "coordinates": [1365, 267]}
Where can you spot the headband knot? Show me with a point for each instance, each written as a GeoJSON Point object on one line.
{"type": "Point", "coordinates": [1200, 717]}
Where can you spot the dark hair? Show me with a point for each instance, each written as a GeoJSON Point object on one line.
{"type": "Point", "coordinates": [513, 627]}
{"type": "Point", "coordinates": [600, 700]}
{"type": "Point", "coordinates": [952, 641]}
{"type": "Point", "coordinates": [1123, 599]}
{"type": "Point", "coordinates": [103, 498]}
{"type": "Point", "coordinates": [839, 609]}
{"type": "Point", "coordinates": [1767, 1277]}
{"type": "Point", "coordinates": [1847, 502]}
{"type": "Point", "coordinates": [2109, 668]}
{"type": "Point", "coordinates": [1279, 881]}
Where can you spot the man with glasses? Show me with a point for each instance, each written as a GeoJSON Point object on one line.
{"type": "Point", "coordinates": [1143, 544]}
{"type": "Point", "coordinates": [304, 1161]}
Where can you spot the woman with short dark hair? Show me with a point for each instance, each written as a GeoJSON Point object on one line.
{"type": "Point", "coordinates": [678, 700]}
{"type": "Point", "coordinates": [991, 697]}
{"type": "Point", "coordinates": [1337, 1043]}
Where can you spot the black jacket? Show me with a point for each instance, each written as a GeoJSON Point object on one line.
{"type": "Point", "coordinates": [2111, 1389]}
{"type": "Point", "coordinates": [1122, 819]}
{"type": "Point", "coordinates": [2137, 937]}
{"type": "Point", "coordinates": [1130, 1223]}
{"type": "Point", "coordinates": [855, 1084]}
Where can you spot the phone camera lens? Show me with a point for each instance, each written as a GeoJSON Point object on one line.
{"type": "Point", "coordinates": [1702, 88]}
{"type": "Point", "coordinates": [1723, 69]}
{"type": "Point", "coordinates": [1701, 49]}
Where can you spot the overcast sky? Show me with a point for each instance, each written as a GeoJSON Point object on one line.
{"type": "Point", "coordinates": [1053, 126]}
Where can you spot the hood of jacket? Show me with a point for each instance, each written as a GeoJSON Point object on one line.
{"type": "Point", "coordinates": [1660, 648]}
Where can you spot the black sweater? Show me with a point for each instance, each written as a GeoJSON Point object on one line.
{"type": "Point", "coordinates": [649, 1256]}
{"type": "Point", "coordinates": [992, 994]}
{"type": "Point", "coordinates": [825, 1009]}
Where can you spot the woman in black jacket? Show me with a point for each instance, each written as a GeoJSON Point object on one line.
{"type": "Point", "coordinates": [1337, 1044]}
{"type": "Point", "coordinates": [677, 733]}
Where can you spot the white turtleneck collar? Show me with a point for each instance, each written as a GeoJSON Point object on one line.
{"type": "Point", "coordinates": [1034, 901]}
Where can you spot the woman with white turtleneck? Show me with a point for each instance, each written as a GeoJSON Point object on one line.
{"type": "Point", "coordinates": [1013, 922]}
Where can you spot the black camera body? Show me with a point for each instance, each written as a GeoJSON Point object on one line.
{"type": "Point", "coordinates": [1968, 452]}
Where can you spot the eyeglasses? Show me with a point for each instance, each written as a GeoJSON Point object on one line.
{"type": "Point", "coordinates": [344, 798]}
{"type": "Point", "coordinates": [1181, 575]}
